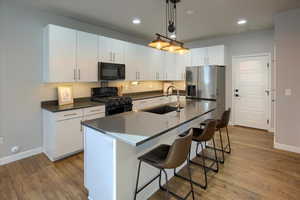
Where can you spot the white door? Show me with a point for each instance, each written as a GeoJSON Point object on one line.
{"type": "Point", "coordinates": [251, 96]}
{"type": "Point", "coordinates": [87, 57]}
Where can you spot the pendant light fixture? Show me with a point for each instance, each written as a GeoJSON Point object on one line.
{"type": "Point", "coordinates": [168, 41]}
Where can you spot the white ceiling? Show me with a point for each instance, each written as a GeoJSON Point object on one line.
{"type": "Point", "coordinates": [210, 18]}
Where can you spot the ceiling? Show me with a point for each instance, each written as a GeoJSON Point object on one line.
{"type": "Point", "coordinates": [210, 18]}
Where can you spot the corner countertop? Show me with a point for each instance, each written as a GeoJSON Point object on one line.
{"type": "Point", "coordinates": [79, 103]}
{"type": "Point", "coordinates": [136, 128]}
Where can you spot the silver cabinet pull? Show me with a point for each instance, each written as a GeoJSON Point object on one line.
{"type": "Point", "coordinates": [114, 57]}
{"type": "Point", "coordinates": [81, 125]}
{"type": "Point", "coordinates": [72, 114]}
{"type": "Point", "coordinates": [74, 74]}
{"type": "Point", "coordinates": [95, 110]}
{"type": "Point", "coordinates": [79, 74]}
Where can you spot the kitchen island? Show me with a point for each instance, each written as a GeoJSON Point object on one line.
{"type": "Point", "coordinates": [113, 144]}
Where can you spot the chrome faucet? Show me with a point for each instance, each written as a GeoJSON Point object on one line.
{"type": "Point", "coordinates": [178, 97]}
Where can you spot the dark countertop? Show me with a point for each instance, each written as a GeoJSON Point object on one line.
{"type": "Point", "coordinates": [79, 103]}
{"type": "Point", "coordinates": [86, 102]}
{"type": "Point", "coordinates": [136, 128]}
{"type": "Point", "coordinates": [149, 95]}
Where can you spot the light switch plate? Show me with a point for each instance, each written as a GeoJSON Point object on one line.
{"type": "Point", "coordinates": [288, 92]}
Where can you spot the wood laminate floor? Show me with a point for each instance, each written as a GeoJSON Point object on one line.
{"type": "Point", "coordinates": [254, 170]}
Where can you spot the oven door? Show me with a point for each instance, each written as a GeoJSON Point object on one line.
{"type": "Point", "coordinates": [111, 71]}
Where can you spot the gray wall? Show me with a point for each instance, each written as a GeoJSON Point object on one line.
{"type": "Point", "coordinates": [287, 40]}
{"type": "Point", "coordinates": [240, 44]}
{"type": "Point", "coordinates": [21, 86]}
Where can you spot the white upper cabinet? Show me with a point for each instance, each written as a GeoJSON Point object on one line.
{"type": "Point", "coordinates": [155, 58]}
{"type": "Point", "coordinates": [170, 66]}
{"type": "Point", "coordinates": [216, 55]}
{"type": "Point", "coordinates": [111, 50]}
{"type": "Point", "coordinates": [199, 56]}
{"type": "Point", "coordinates": [87, 57]}
{"type": "Point", "coordinates": [59, 54]}
{"type": "Point", "coordinates": [131, 61]}
{"type": "Point", "coordinates": [182, 61]}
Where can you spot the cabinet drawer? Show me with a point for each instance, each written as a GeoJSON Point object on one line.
{"type": "Point", "coordinates": [68, 114]}
{"type": "Point", "coordinates": [94, 110]}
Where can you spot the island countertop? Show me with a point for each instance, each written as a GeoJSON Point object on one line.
{"type": "Point", "coordinates": [138, 127]}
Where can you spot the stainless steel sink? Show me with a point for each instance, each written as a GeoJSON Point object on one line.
{"type": "Point", "coordinates": [161, 109]}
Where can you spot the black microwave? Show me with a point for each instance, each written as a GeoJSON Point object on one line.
{"type": "Point", "coordinates": [111, 71]}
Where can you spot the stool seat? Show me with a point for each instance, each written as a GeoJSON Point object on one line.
{"type": "Point", "coordinates": [157, 156]}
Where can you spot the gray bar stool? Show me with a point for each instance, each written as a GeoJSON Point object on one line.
{"type": "Point", "coordinates": [200, 136]}
{"type": "Point", "coordinates": [221, 124]}
{"type": "Point", "coordinates": [168, 157]}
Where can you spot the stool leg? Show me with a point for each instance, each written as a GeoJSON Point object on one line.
{"type": "Point", "coordinates": [204, 166]}
{"type": "Point", "coordinates": [228, 140]}
{"type": "Point", "coordinates": [222, 148]}
{"type": "Point", "coordinates": [137, 180]}
{"type": "Point", "coordinates": [167, 188]}
{"type": "Point", "coordinates": [190, 177]}
{"type": "Point", "coordinates": [216, 157]}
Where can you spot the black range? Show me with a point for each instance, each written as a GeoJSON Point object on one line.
{"type": "Point", "coordinates": [114, 104]}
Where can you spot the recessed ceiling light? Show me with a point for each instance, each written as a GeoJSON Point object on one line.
{"type": "Point", "coordinates": [173, 36]}
{"type": "Point", "coordinates": [190, 12]}
{"type": "Point", "coordinates": [136, 21]}
{"type": "Point", "coordinates": [242, 21]}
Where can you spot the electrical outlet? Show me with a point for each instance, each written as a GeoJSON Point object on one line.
{"type": "Point", "coordinates": [1, 140]}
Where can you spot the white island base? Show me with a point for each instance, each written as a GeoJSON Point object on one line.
{"type": "Point", "coordinates": [111, 164]}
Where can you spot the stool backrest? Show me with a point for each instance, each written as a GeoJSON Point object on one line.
{"type": "Point", "coordinates": [208, 131]}
{"type": "Point", "coordinates": [179, 151]}
{"type": "Point", "coordinates": [225, 118]}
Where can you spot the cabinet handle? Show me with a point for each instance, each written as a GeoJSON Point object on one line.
{"type": "Point", "coordinates": [74, 74]}
{"type": "Point", "coordinates": [95, 110]}
{"type": "Point", "coordinates": [110, 56]}
{"type": "Point", "coordinates": [81, 125]}
{"type": "Point", "coordinates": [73, 114]}
{"type": "Point", "coordinates": [114, 57]}
{"type": "Point", "coordinates": [79, 74]}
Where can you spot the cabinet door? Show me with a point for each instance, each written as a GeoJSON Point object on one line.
{"type": "Point", "coordinates": [155, 64]}
{"type": "Point", "coordinates": [68, 137]}
{"type": "Point", "coordinates": [60, 54]}
{"type": "Point", "coordinates": [105, 50]}
{"type": "Point", "coordinates": [144, 71]}
{"type": "Point", "coordinates": [87, 57]}
{"type": "Point", "coordinates": [170, 66]}
{"type": "Point", "coordinates": [199, 56]}
{"type": "Point", "coordinates": [94, 116]}
{"type": "Point", "coordinates": [131, 55]}
{"type": "Point", "coordinates": [216, 55]}
{"type": "Point", "coordinates": [117, 51]}
{"type": "Point", "coordinates": [182, 61]}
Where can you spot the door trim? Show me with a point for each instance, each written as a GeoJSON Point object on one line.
{"type": "Point", "coordinates": [269, 106]}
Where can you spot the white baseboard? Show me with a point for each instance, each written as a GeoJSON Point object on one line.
{"type": "Point", "coordinates": [287, 147]}
{"type": "Point", "coordinates": [21, 155]}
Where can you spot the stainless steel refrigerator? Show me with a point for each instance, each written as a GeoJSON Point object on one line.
{"type": "Point", "coordinates": [207, 83]}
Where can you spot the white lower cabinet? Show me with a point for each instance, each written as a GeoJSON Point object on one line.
{"type": "Point", "coordinates": [63, 132]}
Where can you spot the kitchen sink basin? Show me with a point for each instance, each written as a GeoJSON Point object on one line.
{"type": "Point", "coordinates": [162, 109]}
